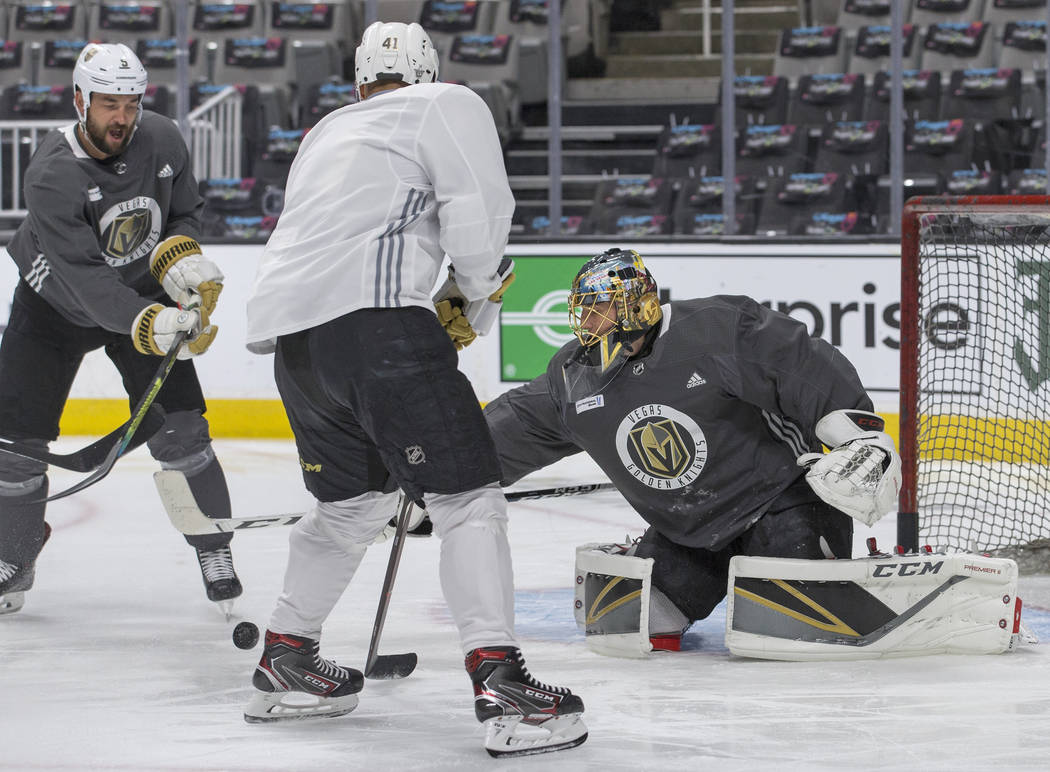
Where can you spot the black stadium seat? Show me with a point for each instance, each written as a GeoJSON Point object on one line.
{"type": "Point", "coordinates": [857, 147]}
{"type": "Point", "coordinates": [757, 99]}
{"type": "Point", "coordinates": [761, 148]}
{"type": "Point", "coordinates": [986, 94]}
{"type": "Point", "coordinates": [807, 50]}
{"type": "Point", "coordinates": [922, 95]}
{"type": "Point", "coordinates": [790, 196]}
{"type": "Point", "coordinates": [688, 148]}
{"type": "Point", "coordinates": [957, 46]}
{"type": "Point", "coordinates": [820, 98]}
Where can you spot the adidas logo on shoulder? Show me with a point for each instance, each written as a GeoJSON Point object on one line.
{"type": "Point", "coordinates": [694, 381]}
{"type": "Point", "coordinates": [166, 171]}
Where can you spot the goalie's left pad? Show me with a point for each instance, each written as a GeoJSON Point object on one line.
{"type": "Point", "coordinates": [861, 474]}
{"type": "Point", "coordinates": [180, 267]}
{"type": "Point", "coordinates": [465, 319]}
{"type": "Point", "coordinates": [616, 606]}
{"type": "Point", "coordinates": [889, 606]}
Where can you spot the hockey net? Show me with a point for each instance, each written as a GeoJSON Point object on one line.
{"type": "Point", "coordinates": [975, 376]}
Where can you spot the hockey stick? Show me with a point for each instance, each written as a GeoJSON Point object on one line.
{"type": "Point", "coordinates": [388, 666]}
{"type": "Point", "coordinates": [187, 517]}
{"type": "Point", "coordinates": [565, 490]}
{"type": "Point", "coordinates": [138, 415]}
{"type": "Point", "coordinates": [89, 458]}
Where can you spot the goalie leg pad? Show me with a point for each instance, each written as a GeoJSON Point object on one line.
{"type": "Point", "coordinates": [612, 600]}
{"type": "Point", "coordinates": [894, 606]}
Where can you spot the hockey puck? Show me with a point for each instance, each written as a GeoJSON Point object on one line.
{"type": "Point", "coordinates": [245, 635]}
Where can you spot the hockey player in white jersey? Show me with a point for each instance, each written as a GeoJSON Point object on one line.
{"type": "Point", "coordinates": [379, 192]}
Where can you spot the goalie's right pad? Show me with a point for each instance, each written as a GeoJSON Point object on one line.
{"type": "Point", "coordinates": [861, 474]}
{"type": "Point", "coordinates": [620, 612]}
{"type": "Point", "coordinates": [887, 606]}
{"type": "Point", "coordinates": [612, 600]}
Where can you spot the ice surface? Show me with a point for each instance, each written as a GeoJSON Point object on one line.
{"type": "Point", "coordinates": [118, 661]}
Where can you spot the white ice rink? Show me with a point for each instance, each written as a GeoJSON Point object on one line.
{"type": "Point", "coordinates": [119, 662]}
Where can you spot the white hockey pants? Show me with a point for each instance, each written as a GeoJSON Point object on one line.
{"type": "Point", "coordinates": [327, 546]}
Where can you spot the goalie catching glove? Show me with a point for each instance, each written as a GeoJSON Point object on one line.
{"type": "Point", "coordinates": [155, 328]}
{"type": "Point", "coordinates": [861, 474]}
{"type": "Point", "coordinates": [180, 267]}
{"type": "Point", "coordinates": [465, 319]}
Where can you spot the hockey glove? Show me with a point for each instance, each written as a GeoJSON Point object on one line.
{"type": "Point", "coordinates": [861, 474]}
{"type": "Point", "coordinates": [477, 316]}
{"type": "Point", "coordinates": [455, 323]}
{"type": "Point", "coordinates": [155, 328]}
{"type": "Point", "coordinates": [177, 263]}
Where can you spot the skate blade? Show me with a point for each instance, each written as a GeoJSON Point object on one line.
{"type": "Point", "coordinates": [509, 736]}
{"type": "Point", "coordinates": [225, 608]}
{"type": "Point", "coordinates": [267, 707]}
{"type": "Point", "coordinates": [12, 602]}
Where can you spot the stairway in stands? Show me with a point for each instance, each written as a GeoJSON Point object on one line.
{"type": "Point", "coordinates": [611, 124]}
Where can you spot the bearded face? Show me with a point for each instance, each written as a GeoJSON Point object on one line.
{"type": "Point", "coordinates": [111, 121]}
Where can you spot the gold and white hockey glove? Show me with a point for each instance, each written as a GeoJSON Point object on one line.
{"type": "Point", "coordinates": [861, 474]}
{"type": "Point", "coordinates": [178, 264]}
{"type": "Point", "coordinates": [154, 330]}
{"type": "Point", "coordinates": [464, 319]}
{"type": "Point", "coordinates": [455, 323]}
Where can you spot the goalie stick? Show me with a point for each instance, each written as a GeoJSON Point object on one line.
{"type": "Point", "coordinates": [89, 458]}
{"type": "Point", "coordinates": [138, 416]}
{"type": "Point", "coordinates": [188, 518]}
{"type": "Point", "coordinates": [388, 666]}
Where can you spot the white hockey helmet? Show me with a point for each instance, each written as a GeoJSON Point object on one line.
{"type": "Point", "coordinates": [108, 68]}
{"type": "Point", "coordinates": [393, 51]}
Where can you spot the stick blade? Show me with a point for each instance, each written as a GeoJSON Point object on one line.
{"type": "Point", "coordinates": [180, 505]}
{"type": "Point", "coordinates": [389, 666]}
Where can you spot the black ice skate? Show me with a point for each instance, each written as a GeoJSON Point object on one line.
{"type": "Point", "coordinates": [220, 579]}
{"type": "Point", "coordinates": [14, 581]}
{"type": "Point", "coordinates": [294, 681]}
{"type": "Point", "coordinates": [522, 716]}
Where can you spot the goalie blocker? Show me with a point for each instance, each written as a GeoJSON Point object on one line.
{"type": "Point", "coordinates": [880, 606]}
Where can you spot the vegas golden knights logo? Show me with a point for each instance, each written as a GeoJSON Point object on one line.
{"type": "Point", "coordinates": [126, 232]}
{"type": "Point", "coordinates": [659, 448]}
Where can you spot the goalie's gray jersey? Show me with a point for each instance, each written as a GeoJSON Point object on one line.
{"type": "Point", "coordinates": [700, 434]}
{"type": "Point", "coordinates": [378, 193]}
{"type": "Point", "coordinates": [85, 245]}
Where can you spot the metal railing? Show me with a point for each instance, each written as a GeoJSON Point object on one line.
{"type": "Point", "coordinates": [18, 142]}
{"type": "Point", "coordinates": [215, 146]}
{"type": "Point", "coordinates": [215, 135]}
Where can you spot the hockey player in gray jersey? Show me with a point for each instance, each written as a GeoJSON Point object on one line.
{"type": "Point", "coordinates": [108, 249]}
{"type": "Point", "coordinates": [700, 412]}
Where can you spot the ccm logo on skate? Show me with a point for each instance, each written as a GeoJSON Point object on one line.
{"type": "Point", "coordinates": [907, 569]}
{"type": "Point", "coordinates": [540, 695]}
{"type": "Point", "coordinates": [318, 682]}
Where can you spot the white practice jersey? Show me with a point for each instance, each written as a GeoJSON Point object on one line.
{"type": "Point", "coordinates": [379, 192]}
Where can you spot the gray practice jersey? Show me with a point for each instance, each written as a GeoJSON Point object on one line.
{"type": "Point", "coordinates": [85, 245]}
{"type": "Point", "coordinates": [700, 434]}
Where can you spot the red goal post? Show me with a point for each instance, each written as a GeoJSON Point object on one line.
{"type": "Point", "coordinates": [975, 373]}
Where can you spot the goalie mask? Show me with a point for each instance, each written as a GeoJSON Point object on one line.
{"type": "Point", "coordinates": [395, 52]}
{"type": "Point", "coordinates": [613, 303]}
